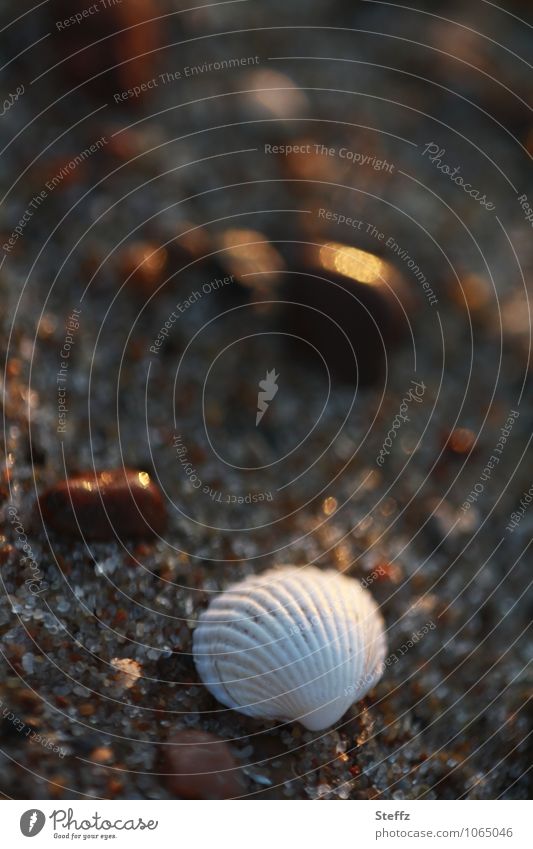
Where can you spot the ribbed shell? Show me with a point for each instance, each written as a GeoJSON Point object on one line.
{"type": "Point", "coordinates": [294, 643]}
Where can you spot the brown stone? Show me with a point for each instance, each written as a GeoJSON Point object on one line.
{"type": "Point", "coordinates": [200, 766]}
{"type": "Point", "coordinates": [59, 172]}
{"type": "Point", "coordinates": [142, 265]}
{"type": "Point", "coordinates": [102, 755]}
{"type": "Point", "coordinates": [352, 306]}
{"type": "Point", "coordinates": [237, 263]}
{"type": "Point", "coordinates": [253, 262]}
{"type": "Point", "coordinates": [7, 551]}
{"type": "Point", "coordinates": [192, 245]}
{"type": "Point", "coordinates": [461, 441]}
{"type": "Point", "coordinates": [122, 502]}
{"type": "Point", "coordinates": [114, 787]}
{"type": "Point", "coordinates": [112, 50]}
{"type": "Point", "coordinates": [128, 671]}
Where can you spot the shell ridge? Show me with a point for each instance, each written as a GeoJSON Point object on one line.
{"type": "Point", "coordinates": [265, 664]}
{"type": "Point", "coordinates": [348, 595]}
{"type": "Point", "coordinates": [202, 645]}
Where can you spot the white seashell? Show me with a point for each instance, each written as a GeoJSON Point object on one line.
{"type": "Point", "coordinates": [294, 643]}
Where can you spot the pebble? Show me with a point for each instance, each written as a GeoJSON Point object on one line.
{"type": "Point", "coordinates": [237, 263]}
{"type": "Point", "coordinates": [188, 242]}
{"type": "Point", "coordinates": [125, 60]}
{"type": "Point", "coordinates": [304, 164]}
{"type": "Point", "coordinates": [201, 766]}
{"type": "Point", "coordinates": [461, 441]}
{"type": "Point", "coordinates": [342, 288]}
{"type": "Point", "coordinates": [128, 671]}
{"type": "Point", "coordinates": [253, 262]}
{"type": "Point", "coordinates": [142, 265]}
{"type": "Point", "coordinates": [102, 755]}
{"type": "Point", "coordinates": [273, 98]}
{"type": "Point", "coordinates": [132, 501]}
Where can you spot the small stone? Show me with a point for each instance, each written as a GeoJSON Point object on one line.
{"type": "Point", "coordinates": [112, 51]}
{"type": "Point", "coordinates": [248, 256]}
{"type": "Point", "coordinates": [142, 265]}
{"type": "Point", "coordinates": [120, 502]}
{"type": "Point", "coordinates": [347, 304]}
{"type": "Point", "coordinates": [192, 244]}
{"type": "Point", "coordinates": [128, 671]}
{"type": "Point", "coordinates": [28, 663]}
{"type": "Point", "coordinates": [273, 97]}
{"type": "Point", "coordinates": [114, 787]}
{"type": "Point", "coordinates": [304, 162]}
{"type": "Point", "coordinates": [461, 441]}
{"type": "Point", "coordinates": [237, 264]}
{"type": "Point", "coordinates": [7, 552]}
{"type": "Point", "coordinates": [59, 172]}
{"type": "Point", "coordinates": [200, 766]}
{"type": "Point", "coordinates": [471, 292]}
{"type": "Point", "coordinates": [102, 755]}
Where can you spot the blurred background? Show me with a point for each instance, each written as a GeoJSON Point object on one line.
{"type": "Point", "coordinates": [194, 198]}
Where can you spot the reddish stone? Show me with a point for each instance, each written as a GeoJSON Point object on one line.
{"type": "Point", "coordinates": [461, 441]}
{"type": "Point", "coordinates": [132, 502]}
{"type": "Point", "coordinates": [192, 244]}
{"type": "Point", "coordinates": [7, 552]}
{"type": "Point", "coordinates": [60, 172]}
{"type": "Point", "coordinates": [143, 265]}
{"type": "Point", "coordinates": [121, 616]}
{"type": "Point", "coordinates": [114, 787]}
{"type": "Point", "coordinates": [113, 50]}
{"type": "Point", "coordinates": [200, 766]}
